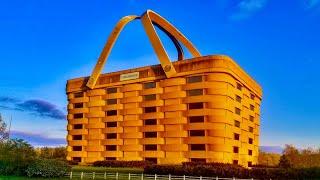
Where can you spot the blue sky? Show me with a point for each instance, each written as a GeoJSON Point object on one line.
{"type": "Point", "coordinates": [44, 43]}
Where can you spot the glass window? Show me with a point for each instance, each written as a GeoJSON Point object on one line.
{"type": "Point", "coordinates": [77, 126]}
{"type": "Point", "coordinates": [197, 133]}
{"type": "Point", "coordinates": [150, 109]}
{"type": "Point", "coordinates": [112, 113]}
{"type": "Point", "coordinates": [78, 105]}
{"type": "Point", "coordinates": [252, 96]}
{"type": "Point", "coordinates": [78, 94]}
{"type": "Point", "coordinates": [111, 101]}
{"type": "Point", "coordinates": [250, 141]}
{"type": "Point", "coordinates": [250, 152]}
{"type": "Point", "coordinates": [235, 162]}
{"type": "Point", "coordinates": [194, 79]}
{"type": "Point", "coordinates": [250, 129]}
{"type": "Point", "coordinates": [236, 136]}
{"type": "Point", "coordinates": [251, 118]}
{"type": "Point", "coordinates": [196, 119]}
{"type": "Point", "coordinates": [196, 105]}
{"type": "Point", "coordinates": [198, 160]}
{"type": "Point", "coordinates": [150, 134]}
{"type": "Point", "coordinates": [111, 135]}
{"type": "Point", "coordinates": [235, 149]}
{"type": "Point", "coordinates": [251, 107]}
{"type": "Point", "coordinates": [239, 86]}
{"type": "Point", "coordinates": [249, 164]}
{"type": "Point", "coordinates": [112, 90]}
{"type": "Point", "coordinates": [149, 85]}
{"type": "Point", "coordinates": [77, 137]}
{"type": "Point", "coordinates": [150, 147]}
{"type": "Point", "coordinates": [152, 160]}
{"type": "Point", "coordinates": [150, 97]}
{"type": "Point", "coordinates": [76, 159]}
{"type": "Point", "coordinates": [110, 158]}
{"type": "Point", "coordinates": [111, 124]}
{"type": "Point", "coordinates": [237, 111]}
{"type": "Point", "coordinates": [78, 116]}
{"type": "Point", "coordinates": [238, 98]}
{"type": "Point", "coordinates": [198, 147]}
{"type": "Point", "coordinates": [150, 122]}
{"type": "Point", "coordinates": [195, 92]}
{"type": "Point", "coordinates": [77, 148]}
{"type": "Point", "coordinates": [111, 147]}
{"type": "Point", "coordinates": [236, 123]}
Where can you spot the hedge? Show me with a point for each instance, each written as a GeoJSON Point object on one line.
{"type": "Point", "coordinates": [111, 163]}
{"type": "Point", "coordinates": [229, 170]}
{"type": "Point", "coordinates": [48, 168]}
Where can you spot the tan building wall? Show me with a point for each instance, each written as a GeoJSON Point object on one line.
{"type": "Point", "coordinates": [209, 111]}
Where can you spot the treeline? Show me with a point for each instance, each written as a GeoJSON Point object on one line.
{"type": "Point", "coordinates": [19, 158]}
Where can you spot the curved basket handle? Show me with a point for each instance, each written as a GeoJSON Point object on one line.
{"type": "Point", "coordinates": [166, 64]}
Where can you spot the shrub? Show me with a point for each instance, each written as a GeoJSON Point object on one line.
{"type": "Point", "coordinates": [15, 156]}
{"type": "Point", "coordinates": [121, 163]}
{"type": "Point", "coordinates": [47, 168]}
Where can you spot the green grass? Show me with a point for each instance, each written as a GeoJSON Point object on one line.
{"type": "Point", "coordinates": [106, 169]}
{"type": "Point", "coordinates": [26, 178]}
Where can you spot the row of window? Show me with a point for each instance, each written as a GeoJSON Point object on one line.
{"type": "Point", "coordinates": [154, 147]}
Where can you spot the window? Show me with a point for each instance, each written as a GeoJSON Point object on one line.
{"type": "Point", "coordinates": [251, 118]}
{"type": "Point", "coordinates": [111, 101]}
{"type": "Point", "coordinates": [239, 86]}
{"type": "Point", "coordinates": [238, 98]}
{"type": "Point", "coordinates": [251, 107]}
{"type": "Point", "coordinates": [252, 96]}
{"type": "Point", "coordinates": [198, 160]}
{"type": "Point", "coordinates": [250, 152]}
{"type": "Point", "coordinates": [235, 162]}
{"type": "Point", "coordinates": [110, 158]}
{"type": "Point", "coordinates": [196, 105]}
{"type": "Point", "coordinates": [197, 133]}
{"type": "Point", "coordinates": [196, 119]}
{"type": "Point", "coordinates": [149, 85]}
{"type": "Point", "coordinates": [78, 94]}
{"type": "Point", "coordinates": [150, 147]}
{"type": "Point", "coordinates": [111, 124]}
{"type": "Point", "coordinates": [78, 116]}
{"type": "Point", "coordinates": [235, 149]}
{"type": "Point", "coordinates": [236, 123]}
{"type": "Point", "coordinates": [150, 109]}
{"type": "Point", "coordinates": [250, 129]}
{"type": "Point", "coordinates": [194, 79]}
{"type": "Point", "coordinates": [236, 136]}
{"type": "Point", "coordinates": [111, 90]}
{"type": "Point", "coordinates": [112, 113]}
{"type": "Point", "coordinates": [77, 148]}
{"type": "Point", "coordinates": [249, 164]}
{"type": "Point", "coordinates": [76, 159]}
{"type": "Point", "coordinates": [111, 147]}
{"type": "Point", "coordinates": [237, 111]}
{"type": "Point", "coordinates": [77, 137]}
{"type": "Point", "coordinates": [150, 97]}
{"type": "Point", "coordinates": [153, 160]}
{"type": "Point", "coordinates": [198, 147]}
{"type": "Point", "coordinates": [150, 134]}
{"type": "Point", "coordinates": [111, 135]}
{"type": "Point", "coordinates": [250, 141]}
{"type": "Point", "coordinates": [77, 126]}
{"type": "Point", "coordinates": [150, 122]}
{"type": "Point", "coordinates": [78, 105]}
{"type": "Point", "coordinates": [195, 92]}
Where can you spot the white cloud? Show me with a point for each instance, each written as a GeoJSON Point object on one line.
{"type": "Point", "coordinates": [247, 8]}
{"type": "Point", "coordinates": [309, 4]}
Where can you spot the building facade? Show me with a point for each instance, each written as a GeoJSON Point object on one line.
{"type": "Point", "coordinates": [209, 111]}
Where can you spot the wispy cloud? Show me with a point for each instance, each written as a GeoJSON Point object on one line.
{"type": "Point", "coordinates": [247, 8]}
{"type": "Point", "coordinates": [310, 4]}
{"type": "Point", "coordinates": [35, 107]}
{"type": "Point", "coordinates": [38, 139]}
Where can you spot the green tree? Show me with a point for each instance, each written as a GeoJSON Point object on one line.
{"type": "Point", "coordinates": [268, 159]}
{"type": "Point", "coordinates": [15, 156]}
{"type": "Point", "coordinates": [4, 135]}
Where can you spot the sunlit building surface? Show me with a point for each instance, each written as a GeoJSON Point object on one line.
{"type": "Point", "coordinates": [209, 111]}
